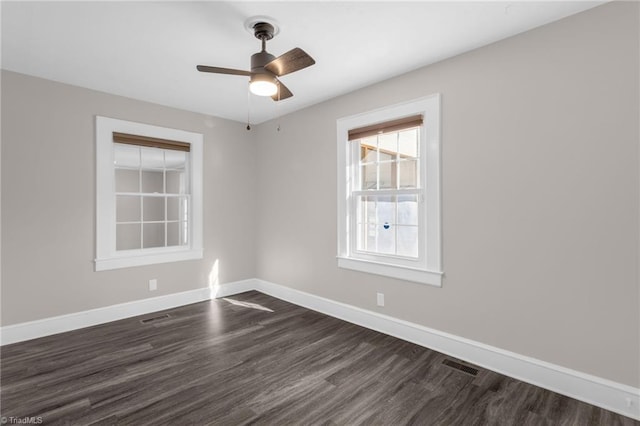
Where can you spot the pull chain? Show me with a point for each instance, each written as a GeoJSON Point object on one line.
{"type": "Point", "coordinates": [278, 105]}
{"type": "Point", "coordinates": [248, 108]}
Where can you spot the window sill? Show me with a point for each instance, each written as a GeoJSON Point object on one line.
{"type": "Point", "coordinates": [146, 259]}
{"type": "Point", "coordinates": [421, 276]}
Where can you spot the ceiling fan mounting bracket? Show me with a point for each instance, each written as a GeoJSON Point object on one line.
{"type": "Point", "coordinates": [262, 27]}
{"type": "Point", "coordinates": [263, 31]}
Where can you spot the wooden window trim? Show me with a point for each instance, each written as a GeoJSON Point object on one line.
{"type": "Point", "coordinates": [385, 127]}
{"type": "Point", "coordinates": [147, 141]}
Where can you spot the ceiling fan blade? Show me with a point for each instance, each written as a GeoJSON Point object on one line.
{"type": "Point", "coordinates": [294, 60]}
{"type": "Point", "coordinates": [218, 70]}
{"type": "Point", "coordinates": [283, 92]}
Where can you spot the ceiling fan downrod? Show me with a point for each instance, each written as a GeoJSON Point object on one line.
{"type": "Point", "coordinates": [263, 31]}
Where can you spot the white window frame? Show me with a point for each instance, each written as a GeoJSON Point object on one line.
{"type": "Point", "coordinates": [427, 268]}
{"type": "Point", "coordinates": [107, 257]}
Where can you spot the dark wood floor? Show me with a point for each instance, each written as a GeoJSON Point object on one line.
{"type": "Point", "coordinates": [253, 359]}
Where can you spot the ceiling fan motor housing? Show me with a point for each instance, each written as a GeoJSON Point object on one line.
{"type": "Point", "coordinates": [259, 60]}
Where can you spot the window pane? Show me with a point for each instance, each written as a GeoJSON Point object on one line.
{"type": "Point", "coordinates": [173, 208]}
{"type": "Point", "coordinates": [176, 182]}
{"type": "Point", "coordinates": [177, 208]}
{"type": "Point", "coordinates": [173, 234]}
{"type": "Point", "coordinates": [153, 208]}
{"type": "Point", "coordinates": [127, 180]}
{"type": "Point", "coordinates": [366, 210]}
{"type": "Point", "coordinates": [387, 224]}
{"type": "Point", "coordinates": [128, 236]}
{"type": "Point", "coordinates": [128, 209]}
{"type": "Point", "coordinates": [126, 155]}
{"type": "Point", "coordinates": [175, 159]}
{"type": "Point", "coordinates": [368, 152]}
{"type": "Point", "coordinates": [408, 210]}
{"type": "Point", "coordinates": [408, 174]}
{"type": "Point", "coordinates": [408, 143]}
{"type": "Point", "coordinates": [153, 235]}
{"type": "Point", "coordinates": [387, 175]}
{"type": "Point", "coordinates": [152, 158]}
{"type": "Point", "coordinates": [184, 233]}
{"type": "Point", "coordinates": [388, 146]}
{"type": "Point", "coordinates": [386, 238]}
{"type": "Point", "coordinates": [184, 208]}
{"type": "Point", "coordinates": [387, 156]}
{"type": "Point", "coordinates": [386, 210]}
{"type": "Point", "coordinates": [152, 182]}
{"type": "Point", "coordinates": [368, 176]}
{"type": "Point", "coordinates": [407, 241]}
{"type": "Point", "coordinates": [366, 237]}
{"type": "Point", "coordinates": [177, 233]}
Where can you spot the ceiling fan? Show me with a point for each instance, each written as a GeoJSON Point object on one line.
{"type": "Point", "coordinates": [266, 68]}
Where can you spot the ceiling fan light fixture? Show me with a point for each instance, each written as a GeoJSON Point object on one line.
{"type": "Point", "coordinates": [263, 85]}
{"type": "Point", "coordinates": [266, 68]}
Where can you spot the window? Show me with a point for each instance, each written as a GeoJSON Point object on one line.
{"type": "Point", "coordinates": [149, 194]}
{"type": "Point", "coordinates": [389, 191]}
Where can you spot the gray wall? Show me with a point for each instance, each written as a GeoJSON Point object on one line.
{"type": "Point", "coordinates": [48, 201]}
{"type": "Point", "coordinates": [540, 196]}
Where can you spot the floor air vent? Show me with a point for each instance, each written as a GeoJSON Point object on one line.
{"type": "Point", "coordinates": [461, 367]}
{"type": "Point", "coordinates": [154, 319]}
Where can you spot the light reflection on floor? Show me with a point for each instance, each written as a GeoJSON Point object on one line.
{"type": "Point", "coordinates": [247, 304]}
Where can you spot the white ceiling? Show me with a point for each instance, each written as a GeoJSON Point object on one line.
{"type": "Point", "coordinates": [149, 50]}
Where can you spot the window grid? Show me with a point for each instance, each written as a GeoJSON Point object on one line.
{"type": "Point", "coordinates": [386, 233]}
{"type": "Point", "coordinates": [182, 196]}
{"type": "Point", "coordinates": [375, 228]}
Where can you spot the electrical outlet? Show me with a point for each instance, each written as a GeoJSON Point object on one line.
{"type": "Point", "coordinates": [380, 299]}
{"type": "Point", "coordinates": [153, 284]}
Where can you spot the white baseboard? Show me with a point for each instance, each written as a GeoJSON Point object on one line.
{"type": "Point", "coordinates": [229, 289]}
{"type": "Point", "coordinates": [613, 396]}
{"type": "Point", "coordinates": [60, 324]}
{"type": "Point", "coordinates": [594, 390]}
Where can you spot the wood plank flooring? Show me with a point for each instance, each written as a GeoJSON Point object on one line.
{"type": "Point", "coordinates": [253, 359]}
